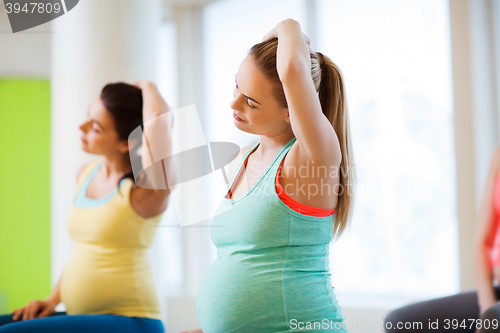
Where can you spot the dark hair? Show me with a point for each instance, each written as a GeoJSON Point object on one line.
{"type": "Point", "coordinates": [124, 103]}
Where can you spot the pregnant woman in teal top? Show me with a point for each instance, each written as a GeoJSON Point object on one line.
{"type": "Point", "coordinates": [274, 227]}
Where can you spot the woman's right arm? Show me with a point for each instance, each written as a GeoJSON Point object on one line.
{"type": "Point", "coordinates": [54, 296]}
{"type": "Point", "coordinates": [487, 221]}
{"type": "Point", "coordinates": [39, 308]}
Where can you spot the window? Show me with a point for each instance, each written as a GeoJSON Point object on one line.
{"type": "Point", "coordinates": [231, 28]}
{"type": "Point", "coordinates": [395, 57]}
{"type": "Point", "coordinates": [168, 263]}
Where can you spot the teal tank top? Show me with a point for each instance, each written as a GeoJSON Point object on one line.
{"type": "Point", "coordinates": [272, 269]}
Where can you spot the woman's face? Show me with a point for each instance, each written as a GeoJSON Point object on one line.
{"type": "Point", "coordinates": [98, 132]}
{"type": "Point", "coordinates": [255, 103]}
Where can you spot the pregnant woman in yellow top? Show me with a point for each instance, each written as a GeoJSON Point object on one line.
{"type": "Point", "coordinates": [107, 284]}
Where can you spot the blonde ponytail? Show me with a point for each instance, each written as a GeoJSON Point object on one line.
{"type": "Point", "coordinates": [331, 93]}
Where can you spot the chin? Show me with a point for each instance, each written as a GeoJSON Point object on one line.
{"type": "Point", "coordinates": [85, 148]}
{"type": "Point", "coordinates": [241, 126]}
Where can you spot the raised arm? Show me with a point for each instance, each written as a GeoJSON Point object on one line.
{"type": "Point", "coordinates": [315, 135]}
{"type": "Point", "coordinates": [152, 196]}
{"type": "Point", "coordinates": [484, 239]}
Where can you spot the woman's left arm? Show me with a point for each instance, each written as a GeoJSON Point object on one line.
{"type": "Point", "coordinates": [314, 132]}
{"type": "Point", "coordinates": [152, 195]}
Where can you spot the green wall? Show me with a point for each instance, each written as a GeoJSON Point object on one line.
{"type": "Point", "coordinates": [24, 191]}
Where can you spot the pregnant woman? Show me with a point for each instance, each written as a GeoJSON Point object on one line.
{"type": "Point", "coordinates": [290, 194]}
{"type": "Point", "coordinates": [107, 284]}
{"type": "Point", "coordinates": [473, 311]}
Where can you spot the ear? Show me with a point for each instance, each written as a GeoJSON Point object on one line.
{"type": "Point", "coordinates": [127, 145]}
{"type": "Point", "coordinates": [287, 118]}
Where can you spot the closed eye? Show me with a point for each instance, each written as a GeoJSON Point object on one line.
{"type": "Point", "coordinates": [248, 98]}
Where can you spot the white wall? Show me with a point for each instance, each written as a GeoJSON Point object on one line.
{"type": "Point", "coordinates": [25, 54]}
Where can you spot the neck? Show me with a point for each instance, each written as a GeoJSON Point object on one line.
{"type": "Point", "coordinates": [115, 166]}
{"type": "Point", "coordinates": [270, 145]}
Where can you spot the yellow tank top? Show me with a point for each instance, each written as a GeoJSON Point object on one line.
{"type": "Point", "coordinates": [109, 270]}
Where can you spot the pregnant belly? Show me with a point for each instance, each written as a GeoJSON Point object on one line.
{"type": "Point", "coordinates": [238, 296]}
{"type": "Point", "coordinates": [96, 283]}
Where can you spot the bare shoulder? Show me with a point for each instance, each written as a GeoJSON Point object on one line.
{"type": "Point", "coordinates": [234, 163]}
{"type": "Point", "coordinates": [80, 171]}
{"type": "Point", "coordinates": [244, 150]}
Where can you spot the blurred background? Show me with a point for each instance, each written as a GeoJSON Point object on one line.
{"type": "Point", "coordinates": [422, 81]}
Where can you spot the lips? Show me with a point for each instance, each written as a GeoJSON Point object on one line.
{"type": "Point", "coordinates": [236, 117]}
{"type": "Point", "coordinates": [83, 139]}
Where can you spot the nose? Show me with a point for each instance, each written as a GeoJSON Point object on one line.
{"type": "Point", "coordinates": [233, 103]}
{"type": "Point", "coordinates": [83, 126]}
{"type": "Point", "coordinates": [236, 102]}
